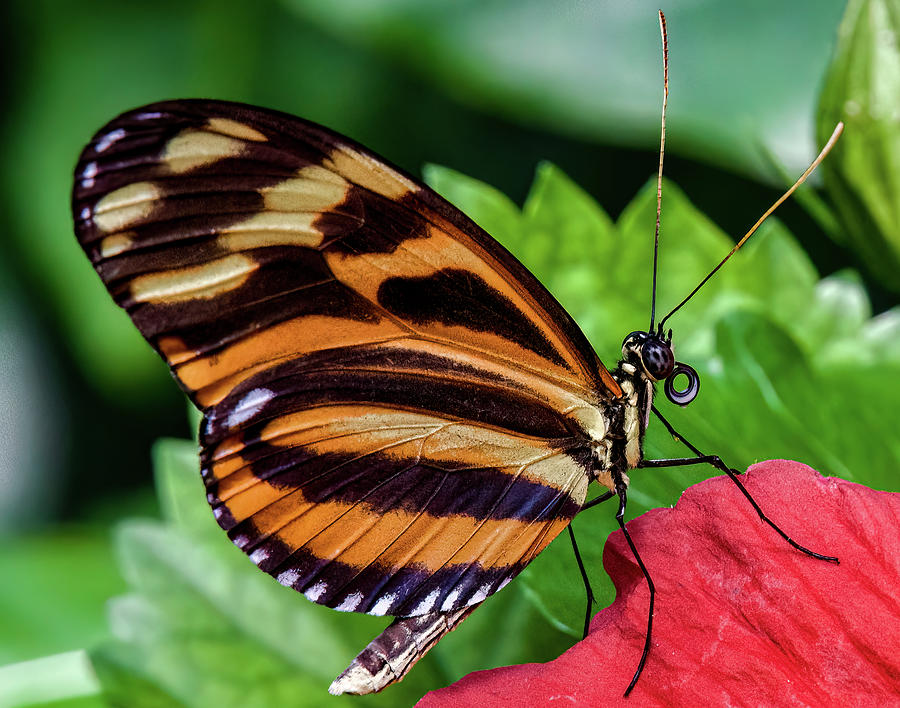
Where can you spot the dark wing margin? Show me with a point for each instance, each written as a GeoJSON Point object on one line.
{"type": "Point", "coordinates": [397, 413]}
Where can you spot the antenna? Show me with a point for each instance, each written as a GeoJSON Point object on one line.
{"type": "Point", "coordinates": [825, 150]}
{"type": "Point", "coordinates": [662, 152]}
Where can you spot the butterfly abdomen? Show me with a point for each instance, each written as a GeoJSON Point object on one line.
{"type": "Point", "coordinates": [392, 653]}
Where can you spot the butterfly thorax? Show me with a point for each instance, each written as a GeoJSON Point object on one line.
{"type": "Point", "coordinates": [646, 359]}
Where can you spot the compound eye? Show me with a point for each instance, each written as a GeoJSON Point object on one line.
{"type": "Point", "coordinates": [657, 359]}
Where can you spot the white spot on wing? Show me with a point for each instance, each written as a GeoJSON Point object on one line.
{"type": "Point", "coordinates": [193, 148]}
{"type": "Point", "coordinates": [88, 174]}
{"type": "Point", "coordinates": [235, 129]}
{"type": "Point", "coordinates": [109, 139]}
{"type": "Point", "coordinates": [316, 591]}
{"type": "Point", "coordinates": [249, 406]}
{"type": "Point", "coordinates": [503, 584]}
{"type": "Point", "coordinates": [480, 594]}
{"type": "Point", "coordinates": [266, 229]}
{"type": "Point", "coordinates": [366, 171]}
{"type": "Point", "coordinates": [240, 541]}
{"type": "Point", "coordinates": [259, 555]}
{"type": "Point", "coordinates": [115, 244]}
{"type": "Point", "coordinates": [384, 604]}
{"type": "Point", "coordinates": [450, 601]}
{"type": "Point", "coordinates": [424, 607]}
{"type": "Point", "coordinates": [289, 577]}
{"type": "Point", "coordinates": [351, 602]}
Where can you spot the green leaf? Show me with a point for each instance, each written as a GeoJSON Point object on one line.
{"type": "Point", "coordinates": [122, 676]}
{"type": "Point", "coordinates": [566, 237]}
{"type": "Point", "coordinates": [77, 702]}
{"type": "Point", "coordinates": [178, 484]}
{"type": "Point", "coordinates": [56, 681]}
{"type": "Point", "coordinates": [862, 175]}
{"type": "Point", "coordinates": [36, 617]}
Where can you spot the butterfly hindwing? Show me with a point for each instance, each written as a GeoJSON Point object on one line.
{"type": "Point", "coordinates": [394, 407]}
{"type": "Point", "coordinates": [369, 507]}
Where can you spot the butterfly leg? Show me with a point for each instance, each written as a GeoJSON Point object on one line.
{"type": "Point", "coordinates": [622, 492]}
{"type": "Point", "coordinates": [713, 460]}
{"type": "Point", "coordinates": [716, 462]}
{"type": "Point", "coordinates": [598, 500]}
{"type": "Point", "coordinates": [587, 583]}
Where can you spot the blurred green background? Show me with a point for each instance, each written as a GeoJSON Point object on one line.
{"type": "Point", "coordinates": [794, 363]}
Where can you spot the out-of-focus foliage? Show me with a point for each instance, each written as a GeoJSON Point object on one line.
{"type": "Point", "coordinates": [59, 681]}
{"type": "Point", "coordinates": [581, 69]}
{"type": "Point", "coordinates": [863, 174]}
{"type": "Point", "coordinates": [55, 584]}
{"type": "Point", "coordinates": [26, 374]}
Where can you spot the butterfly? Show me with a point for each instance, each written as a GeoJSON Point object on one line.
{"type": "Point", "coordinates": [397, 415]}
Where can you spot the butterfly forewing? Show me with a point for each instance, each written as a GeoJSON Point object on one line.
{"type": "Point", "coordinates": [397, 414]}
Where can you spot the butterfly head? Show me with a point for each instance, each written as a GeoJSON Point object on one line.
{"type": "Point", "coordinates": [651, 353]}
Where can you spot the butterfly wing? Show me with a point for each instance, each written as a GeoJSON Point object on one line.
{"type": "Point", "coordinates": [397, 415]}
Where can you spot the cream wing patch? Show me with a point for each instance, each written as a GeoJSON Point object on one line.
{"type": "Point", "coordinates": [184, 284]}
{"type": "Point", "coordinates": [125, 206]}
{"type": "Point", "coordinates": [194, 148]}
{"type": "Point", "coordinates": [291, 210]}
{"type": "Point", "coordinates": [115, 244]}
{"type": "Point", "coordinates": [226, 126]}
{"type": "Point", "coordinates": [370, 174]}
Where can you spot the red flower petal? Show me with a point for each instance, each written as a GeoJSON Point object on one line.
{"type": "Point", "coordinates": [741, 617]}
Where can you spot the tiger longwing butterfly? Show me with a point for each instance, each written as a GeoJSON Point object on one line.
{"type": "Point", "coordinates": [397, 416]}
